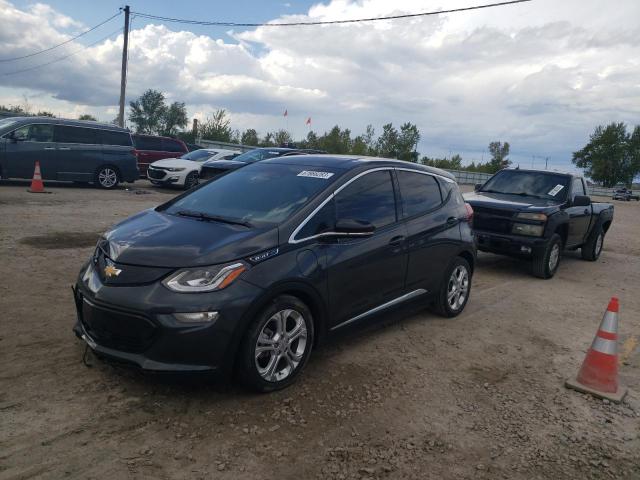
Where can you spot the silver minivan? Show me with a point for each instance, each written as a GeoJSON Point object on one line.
{"type": "Point", "coordinates": [68, 150]}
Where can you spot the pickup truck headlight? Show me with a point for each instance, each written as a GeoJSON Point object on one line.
{"type": "Point", "coordinates": [527, 229]}
{"type": "Point", "coordinates": [532, 216]}
{"type": "Point", "coordinates": [204, 279]}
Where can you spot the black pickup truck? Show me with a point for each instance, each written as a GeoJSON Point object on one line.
{"type": "Point", "coordinates": [536, 214]}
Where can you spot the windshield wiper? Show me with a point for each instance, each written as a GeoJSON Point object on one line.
{"type": "Point", "coordinates": [490, 191]}
{"type": "Point", "coordinates": [525, 194]}
{"type": "Point", "coordinates": [213, 218]}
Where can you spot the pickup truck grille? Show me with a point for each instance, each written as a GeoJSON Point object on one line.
{"type": "Point", "coordinates": [492, 220]}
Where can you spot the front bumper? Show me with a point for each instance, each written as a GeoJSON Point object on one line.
{"type": "Point", "coordinates": [514, 245]}
{"type": "Point", "coordinates": [135, 324]}
{"type": "Point", "coordinates": [164, 177]}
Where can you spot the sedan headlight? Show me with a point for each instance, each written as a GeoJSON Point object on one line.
{"type": "Point", "coordinates": [204, 279]}
{"type": "Point", "coordinates": [527, 229]}
{"type": "Point", "coordinates": [532, 216]}
{"type": "Point", "coordinates": [175, 169]}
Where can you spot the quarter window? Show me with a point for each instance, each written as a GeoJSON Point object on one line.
{"type": "Point", "coordinates": [420, 193]}
{"type": "Point", "coordinates": [370, 198]}
{"type": "Point", "coordinates": [67, 134]}
{"type": "Point", "coordinates": [323, 221]}
{"type": "Point", "coordinates": [113, 137]}
{"type": "Point", "coordinates": [34, 133]}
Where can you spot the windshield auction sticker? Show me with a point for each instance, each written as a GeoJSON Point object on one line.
{"type": "Point", "coordinates": [555, 190]}
{"type": "Point", "coordinates": [314, 174]}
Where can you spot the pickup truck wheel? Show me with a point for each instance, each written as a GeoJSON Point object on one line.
{"type": "Point", "coordinates": [455, 290]}
{"type": "Point", "coordinates": [545, 263]}
{"type": "Point", "coordinates": [592, 249]}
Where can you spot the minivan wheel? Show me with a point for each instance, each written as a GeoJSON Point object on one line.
{"type": "Point", "coordinates": [107, 177]}
{"type": "Point", "coordinates": [191, 180]}
{"type": "Point", "coordinates": [277, 345]}
{"type": "Point", "coordinates": [455, 290]}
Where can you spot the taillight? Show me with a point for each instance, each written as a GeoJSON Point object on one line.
{"type": "Point", "coordinates": [134, 152]}
{"type": "Point", "coordinates": [469, 212]}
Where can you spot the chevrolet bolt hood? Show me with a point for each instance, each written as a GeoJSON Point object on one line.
{"type": "Point", "coordinates": [156, 239]}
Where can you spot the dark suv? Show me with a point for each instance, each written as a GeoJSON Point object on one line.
{"type": "Point", "coordinates": [253, 269]}
{"type": "Point", "coordinates": [68, 150]}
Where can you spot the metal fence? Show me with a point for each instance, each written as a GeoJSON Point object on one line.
{"type": "Point", "coordinates": [464, 177]}
{"type": "Point", "coordinates": [224, 145]}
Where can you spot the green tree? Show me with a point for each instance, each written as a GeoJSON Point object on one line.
{"type": "Point", "coordinates": [86, 116]}
{"type": "Point", "coordinates": [408, 142]}
{"type": "Point", "coordinates": [249, 137]}
{"type": "Point", "coordinates": [311, 141]}
{"type": "Point", "coordinates": [336, 141]}
{"type": "Point", "coordinates": [148, 112]}
{"type": "Point", "coordinates": [499, 153]}
{"type": "Point", "coordinates": [217, 127]}
{"type": "Point", "coordinates": [17, 109]}
{"type": "Point", "coordinates": [282, 137]}
{"type": "Point", "coordinates": [267, 141]}
{"type": "Point", "coordinates": [44, 113]}
{"type": "Point", "coordinates": [453, 163]}
{"type": "Point", "coordinates": [387, 145]}
{"type": "Point", "coordinates": [370, 141]}
{"type": "Point", "coordinates": [359, 146]}
{"type": "Point", "coordinates": [174, 119]}
{"type": "Point", "coordinates": [611, 156]}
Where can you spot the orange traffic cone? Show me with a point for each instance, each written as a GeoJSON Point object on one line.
{"type": "Point", "coordinates": [36, 183]}
{"type": "Point", "coordinates": [599, 373]}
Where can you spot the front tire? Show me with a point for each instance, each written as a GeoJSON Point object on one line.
{"type": "Point", "coordinates": [546, 263]}
{"type": "Point", "coordinates": [191, 180]}
{"type": "Point", "coordinates": [277, 345]}
{"type": "Point", "coordinates": [592, 249]}
{"type": "Point", "coordinates": [455, 290]}
{"type": "Point", "coordinates": [107, 177]}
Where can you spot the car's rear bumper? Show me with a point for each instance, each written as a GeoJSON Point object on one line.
{"type": "Point", "coordinates": [514, 245]}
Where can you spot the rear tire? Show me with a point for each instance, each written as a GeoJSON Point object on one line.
{"type": "Point", "coordinates": [277, 345]}
{"type": "Point", "coordinates": [592, 249]}
{"type": "Point", "coordinates": [107, 177]}
{"type": "Point", "coordinates": [455, 290]}
{"type": "Point", "coordinates": [546, 263]}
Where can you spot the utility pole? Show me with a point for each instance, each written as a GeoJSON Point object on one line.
{"type": "Point", "coordinates": [123, 75]}
{"type": "Point", "coordinates": [546, 163]}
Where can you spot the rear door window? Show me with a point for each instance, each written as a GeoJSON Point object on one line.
{"type": "Point", "coordinates": [169, 145]}
{"type": "Point", "coordinates": [420, 193]}
{"type": "Point", "coordinates": [37, 132]}
{"type": "Point", "coordinates": [370, 198]}
{"type": "Point", "coordinates": [148, 143]}
{"type": "Point", "coordinates": [68, 134]}
{"type": "Point", "coordinates": [113, 137]}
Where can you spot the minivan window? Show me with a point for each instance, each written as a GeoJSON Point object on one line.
{"type": "Point", "coordinates": [171, 145]}
{"type": "Point", "coordinates": [68, 134]}
{"type": "Point", "coordinates": [37, 132]}
{"type": "Point", "coordinates": [370, 198]}
{"type": "Point", "coordinates": [258, 193]}
{"type": "Point", "coordinates": [420, 193]}
{"type": "Point", "coordinates": [148, 143]}
{"type": "Point", "coordinates": [114, 137]}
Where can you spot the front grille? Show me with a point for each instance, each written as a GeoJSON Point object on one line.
{"type": "Point", "coordinates": [116, 330]}
{"type": "Point", "coordinates": [492, 220]}
{"type": "Point", "coordinates": [155, 174]}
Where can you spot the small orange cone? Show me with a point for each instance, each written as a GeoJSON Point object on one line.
{"type": "Point", "coordinates": [599, 373]}
{"type": "Point", "coordinates": [36, 183]}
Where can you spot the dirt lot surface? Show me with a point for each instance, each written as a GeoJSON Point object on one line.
{"type": "Point", "coordinates": [478, 396]}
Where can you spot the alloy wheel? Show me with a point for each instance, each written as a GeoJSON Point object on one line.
{"type": "Point", "coordinates": [281, 345]}
{"type": "Point", "coordinates": [107, 177]}
{"type": "Point", "coordinates": [554, 257]}
{"type": "Point", "coordinates": [599, 242]}
{"type": "Point", "coordinates": [458, 288]}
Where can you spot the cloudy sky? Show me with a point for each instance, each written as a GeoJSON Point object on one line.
{"type": "Point", "coordinates": [540, 75]}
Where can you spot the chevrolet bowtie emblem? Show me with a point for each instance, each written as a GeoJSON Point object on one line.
{"type": "Point", "coordinates": [111, 271]}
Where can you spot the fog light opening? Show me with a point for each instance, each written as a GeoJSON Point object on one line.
{"type": "Point", "coordinates": [196, 317]}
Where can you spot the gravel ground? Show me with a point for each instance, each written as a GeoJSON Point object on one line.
{"type": "Point", "coordinates": [415, 396]}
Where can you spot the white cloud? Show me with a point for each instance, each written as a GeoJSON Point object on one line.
{"type": "Point", "coordinates": [540, 75]}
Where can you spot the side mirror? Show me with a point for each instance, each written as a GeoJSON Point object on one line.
{"type": "Point", "coordinates": [477, 187]}
{"type": "Point", "coordinates": [349, 226]}
{"type": "Point", "coordinates": [15, 139]}
{"type": "Point", "coordinates": [581, 201]}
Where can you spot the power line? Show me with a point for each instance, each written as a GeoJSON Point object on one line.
{"type": "Point", "coordinates": [59, 59]}
{"type": "Point", "coordinates": [60, 44]}
{"type": "Point", "coordinates": [328, 22]}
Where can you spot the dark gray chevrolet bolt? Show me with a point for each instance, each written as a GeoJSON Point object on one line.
{"type": "Point", "coordinates": [248, 272]}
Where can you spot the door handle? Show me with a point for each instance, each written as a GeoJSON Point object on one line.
{"type": "Point", "coordinates": [451, 221]}
{"type": "Point", "coordinates": [396, 241]}
{"type": "Point", "coordinates": [49, 148]}
{"type": "Point", "coordinates": [64, 148]}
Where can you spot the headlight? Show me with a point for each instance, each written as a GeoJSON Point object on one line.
{"type": "Point", "coordinates": [532, 216]}
{"type": "Point", "coordinates": [527, 229]}
{"type": "Point", "coordinates": [175, 169]}
{"type": "Point", "coordinates": [204, 279]}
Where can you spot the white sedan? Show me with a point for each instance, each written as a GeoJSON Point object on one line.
{"type": "Point", "coordinates": [185, 170]}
